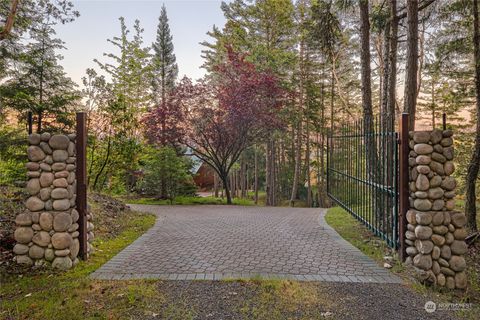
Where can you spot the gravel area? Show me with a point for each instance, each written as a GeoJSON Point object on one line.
{"type": "Point", "coordinates": [257, 300]}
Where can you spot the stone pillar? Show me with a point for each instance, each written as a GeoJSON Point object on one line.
{"type": "Point", "coordinates": [435, 232]}
{"type": "Point", "coordinates": [47, 231]}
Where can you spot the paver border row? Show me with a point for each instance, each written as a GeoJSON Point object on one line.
{"type": "Point", "coordinates": [245, 276]}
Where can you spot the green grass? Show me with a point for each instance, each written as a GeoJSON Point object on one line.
{"type": "Point", "coordinates": [72, 295]}
{"type": "Point", "coordinates": [284, 299]}
{"type": "Point", "coordinates": [358, 235]}
{"type": "Point", "coordinates": [182, 200]}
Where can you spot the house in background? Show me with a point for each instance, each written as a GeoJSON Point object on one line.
{"type": "Point", "coordinates": [203, 173]}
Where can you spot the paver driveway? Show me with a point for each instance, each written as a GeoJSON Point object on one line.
{"type": "Point", "coordinates": [218, 242]}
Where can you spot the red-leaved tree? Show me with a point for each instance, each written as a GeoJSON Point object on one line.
{"type": "Point", "coordinates": [163, 121]}
{"type": "Point", "coordinates": [223, 116]}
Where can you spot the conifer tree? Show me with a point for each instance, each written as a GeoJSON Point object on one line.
{"type": "Point", "coordinates": [164, 72]}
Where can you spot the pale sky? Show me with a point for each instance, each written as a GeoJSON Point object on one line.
{"type": "Point", "coordinates": [86, 37]}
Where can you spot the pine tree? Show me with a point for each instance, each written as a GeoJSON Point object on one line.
{"type": "Point", "coordinates": [164, 71]}
{"type": "Point", "coordinates": [38, 83]}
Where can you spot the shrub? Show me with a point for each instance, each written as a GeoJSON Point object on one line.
{"type": "Point", "coordinates": [166, 175]}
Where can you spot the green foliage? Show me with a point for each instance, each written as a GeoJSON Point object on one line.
{"type": "Point", "coordinates": [167, 175]}
{"type": "Point", "coordinates": [115, 111]}
{"type": "Point", "coordinates": [38, 82]}
{"type": "Point", "coordinates": [13, 143]}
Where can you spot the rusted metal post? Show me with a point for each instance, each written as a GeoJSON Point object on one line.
{"type": "Point", "coordinates": [81, 175]}
{"type": "Point", "coordinates": [30, 122]}
{"type": "Point", "coordinates": [403, 186]}
{"type": "Point", "coordinates": [444, 121]}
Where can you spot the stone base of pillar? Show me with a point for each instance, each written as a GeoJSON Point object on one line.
{"type": "Point", "coordinates": [435, 233]}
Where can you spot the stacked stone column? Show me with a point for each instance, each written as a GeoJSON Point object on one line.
{"type": "Point", "coordinates": [47, 232]}
{"type": "Point", "coordinates": [435, 232]}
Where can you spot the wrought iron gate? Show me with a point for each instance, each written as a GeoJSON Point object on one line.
{"type": "Point", "coordinates": [363, 175]}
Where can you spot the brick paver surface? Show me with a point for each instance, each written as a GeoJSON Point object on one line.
{"type": "Point", "coordinates": [218, 242]}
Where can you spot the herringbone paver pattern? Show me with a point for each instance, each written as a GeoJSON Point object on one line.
{"type": "Point", "coordinates": [218, 242]}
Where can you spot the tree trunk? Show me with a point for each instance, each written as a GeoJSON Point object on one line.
{"type": "Point", "coordinates": [385, 76]}
{"type": "Point", "coordinates": [7, 28]}
{"type": "Point", "coordinates": [268, 187]}
{"type": "Point", "coordinates": [215, 184]}
{"type": "Point", "coordinates": [243, 176]}
{"type": "Point", "coordinates": [392, 80]}
{"type": "Point", "coordinates": [365, 62]}
{"type": "Point", "coordinates": [39, 121]}
{"type": "Point", "coordinates": [322, 197]}
{"type": "Point", "coordinates": [410, 94]}
{"type": "Point", "coordinates": [433, 105]}
{"type": "Point", "coordinates": [255, 186]}
{"type": "Point", "coordinates": [307, 160]}
{"type": "Point", "coordinates": [298, 162]}
{"type": "Point", "coordinates": [473, 167]}
{"type": "Point", "coordinates": [274, 175]}
{"type": "Point", "coordinates": [225, 181]}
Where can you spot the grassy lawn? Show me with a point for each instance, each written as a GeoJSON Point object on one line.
{"type": "Point", "coordinates": [211, 200]}
{"type": "Point", "coordinates": [358, 235]}
{"type": "Point", "coordinates": [71, 295]}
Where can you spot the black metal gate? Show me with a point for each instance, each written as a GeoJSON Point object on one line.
{"type": "Point", "coordinates": [363, 175]}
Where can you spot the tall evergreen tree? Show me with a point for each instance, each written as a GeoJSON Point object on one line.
{"type": "Point", "coordinates": [164, 71]}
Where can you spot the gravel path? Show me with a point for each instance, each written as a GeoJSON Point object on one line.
{"type": "Point", "coordinates": [218, 242]}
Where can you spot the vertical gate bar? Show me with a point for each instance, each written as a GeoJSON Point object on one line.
{"type": "Point", "coordinates": [362, 168]}
{"type": "Point", "coordinates": [81, 175]}
{"type": "Point", "coordinates": [378, 175]}
{"type": "Point", "coordinates": [349, 171]}
{"type": "Point", "coordinates": [395, 170]}
{"type": "Point", "coordinates": [403, 183]}
{"type": "Point", "coordinates": [374, 174]}
{"type": "Point", "coordinates": [356, 165]}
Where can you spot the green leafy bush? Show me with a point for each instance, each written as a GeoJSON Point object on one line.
{"type": "Point", "coordinates": [166, 175]}
{"type": "Point", "coordinates": [13, 156]}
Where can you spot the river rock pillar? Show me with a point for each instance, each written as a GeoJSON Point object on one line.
{"type": "Point", "coordinates": [435, 236]}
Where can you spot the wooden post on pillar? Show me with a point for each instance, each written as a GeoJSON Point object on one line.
{"type": "Point", "coordinates": [403, 185]}
{"type": "Point", "coordinates": [81, 176]}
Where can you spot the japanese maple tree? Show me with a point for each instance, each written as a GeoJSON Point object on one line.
{"type": "Point", "coordinates": [223, 116]}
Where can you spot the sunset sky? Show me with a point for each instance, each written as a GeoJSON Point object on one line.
{"type": "Point", "coordinates": [86, 37]}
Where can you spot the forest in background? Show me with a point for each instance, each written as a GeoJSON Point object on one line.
{"type": "Point", "coordinates": [280, 75]}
